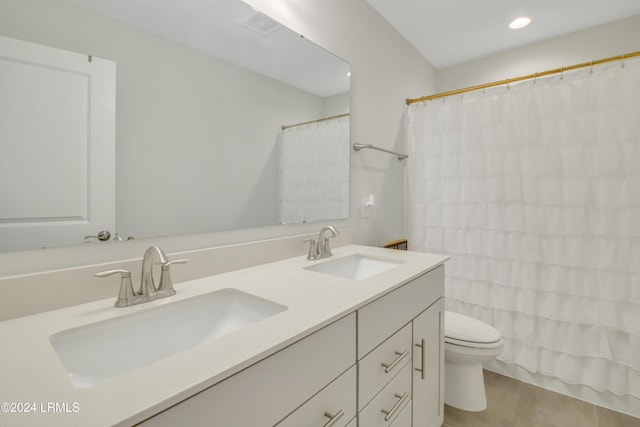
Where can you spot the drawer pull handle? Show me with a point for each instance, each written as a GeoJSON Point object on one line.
{"type": "Point", "coordinates": [389, 414]}
{"type": "Point", "coordinates": [390, 366]}
{"type": "Point", "coordinates": [333, 418]}
{"type": "Point", "coordinates": [422, 351]}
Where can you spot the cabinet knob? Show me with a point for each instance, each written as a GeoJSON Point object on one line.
{"type": "Point", "coordinates": [125, 294]}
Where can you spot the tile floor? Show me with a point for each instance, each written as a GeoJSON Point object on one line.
{"type": "Point", "coordinates": [511, 403]}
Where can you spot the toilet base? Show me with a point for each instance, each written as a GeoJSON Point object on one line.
{"type": "Point", "coordinates": [464, 386]}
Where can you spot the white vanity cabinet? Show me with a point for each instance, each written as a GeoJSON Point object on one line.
{"type": "Point", "coordinates": [342, 352]}
{"type": "Point", "coordinates": [379, 366]}
{"type": "Point", "coordinates": [400, 336]}
{"type": "Point", "coordinates": [266, 392]}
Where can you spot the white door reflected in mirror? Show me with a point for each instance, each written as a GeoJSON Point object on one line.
{"type": "Point", "coordinates": [57, 146]}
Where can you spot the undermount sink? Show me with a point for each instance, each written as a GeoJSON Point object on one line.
{"type": "Point", "coordinates": [355, 267]}
{"type": "Point", "coordinates": [95, 353]}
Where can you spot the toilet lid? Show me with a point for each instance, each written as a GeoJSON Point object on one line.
{"type": "Point", "coordinates": [459, 327]}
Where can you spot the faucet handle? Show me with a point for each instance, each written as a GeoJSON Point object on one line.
{"type": "Point", "coordinates": [166, 283]}
{"type": "Point", "coordinates": [125, 294]}
{"type": "Point", "coordinates": [313, 249]}
{"type": "Point", "coordinates": [166, 265]}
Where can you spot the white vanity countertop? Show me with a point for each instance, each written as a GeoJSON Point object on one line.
{"type": "Point", "coordinates": [33, 379]}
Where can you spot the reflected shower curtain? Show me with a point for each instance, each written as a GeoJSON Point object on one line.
{"type": "Point", "coordinates": [314, 172]}
{"type": "Point", "coordinates": [534, 192]}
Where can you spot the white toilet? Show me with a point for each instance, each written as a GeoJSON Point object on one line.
{"type": "Point", "coordinates": [468, 343]}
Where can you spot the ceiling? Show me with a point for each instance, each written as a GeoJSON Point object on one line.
{"type": "Point", "coordinates": [450, 32]}
{"type": "Point", "coordinates": [445, 32]}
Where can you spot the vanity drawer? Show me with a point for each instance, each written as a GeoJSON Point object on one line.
{"type": "Point", "coordinates": [382, 317]}
{"type": "Point", "coordinates": [336, 401]}
{"type": "Point", "coordinates": [394, 353]}
{"type": "Point", "coordinates": [267, 391]}
{"type": "Point", "coordinates": [392, 399]}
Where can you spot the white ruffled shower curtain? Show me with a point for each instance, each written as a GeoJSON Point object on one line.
{"type": "Point", "coordinates": [314, 171]}
{"type": "Point", "coordinates": [534, 192]}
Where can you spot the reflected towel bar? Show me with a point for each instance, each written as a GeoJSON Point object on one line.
{"type": "Point", "coordinates": [358, 147]}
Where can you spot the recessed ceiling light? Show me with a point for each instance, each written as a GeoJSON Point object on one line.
{"type": "Point", "coordinates": [521, 22]}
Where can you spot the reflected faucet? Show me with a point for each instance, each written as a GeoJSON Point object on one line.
{"type": "Point", "coordinates": [321, 248]}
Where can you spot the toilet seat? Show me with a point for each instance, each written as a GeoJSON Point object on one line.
{"type": "Point", "coordinates": [466, 331]}
{"type": "Point", "coordinates": [471, 344]}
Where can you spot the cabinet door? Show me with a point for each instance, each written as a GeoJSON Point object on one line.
{"type": "Point", "coordinates": [428, 372]}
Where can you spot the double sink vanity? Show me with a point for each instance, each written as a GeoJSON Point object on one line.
{"type": "Point", "coordinates": [355, 339]}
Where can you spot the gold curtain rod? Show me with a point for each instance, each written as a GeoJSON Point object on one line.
{"type": "Point", "coordinates": [324, 119]}
{"type": "Point", "coordinates": [521, 78]}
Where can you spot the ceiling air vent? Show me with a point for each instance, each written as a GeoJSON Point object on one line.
{"type": "Point", "coordinates": [260, 23]}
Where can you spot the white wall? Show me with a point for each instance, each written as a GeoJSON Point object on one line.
{"type": "Point", "coordinates": [385, 70]}
{"type": "Point", "coordinates": [336, 104]}
{"type": "Point", "coordinates": [181, 115]}
{"type": "Point", "coordinates": [599, 42]}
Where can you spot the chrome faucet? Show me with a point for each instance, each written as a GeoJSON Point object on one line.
{"type": "Point", "coordinates": [147, 291]}
{"type": "Point", "coordinates": [321, 248]}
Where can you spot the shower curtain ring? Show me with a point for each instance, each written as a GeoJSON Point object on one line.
{"type": "Point", "coordinates": [562, 73]}
{"type": "Point", "coordinates": [591, 68]}
{"type": "Point", "coordinates": [622, 61]}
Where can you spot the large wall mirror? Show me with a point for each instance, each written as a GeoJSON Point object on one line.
{"type": "Point", "coordinates": [225, 119]}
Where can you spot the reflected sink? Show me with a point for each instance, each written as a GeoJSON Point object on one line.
{"type": "Point", "coordinates": [95, 353]}
{"type": "Point", "coordinates": [355, 267]}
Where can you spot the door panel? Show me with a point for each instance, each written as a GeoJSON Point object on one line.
{"type": "Point", "coordinates": [57, 146]}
